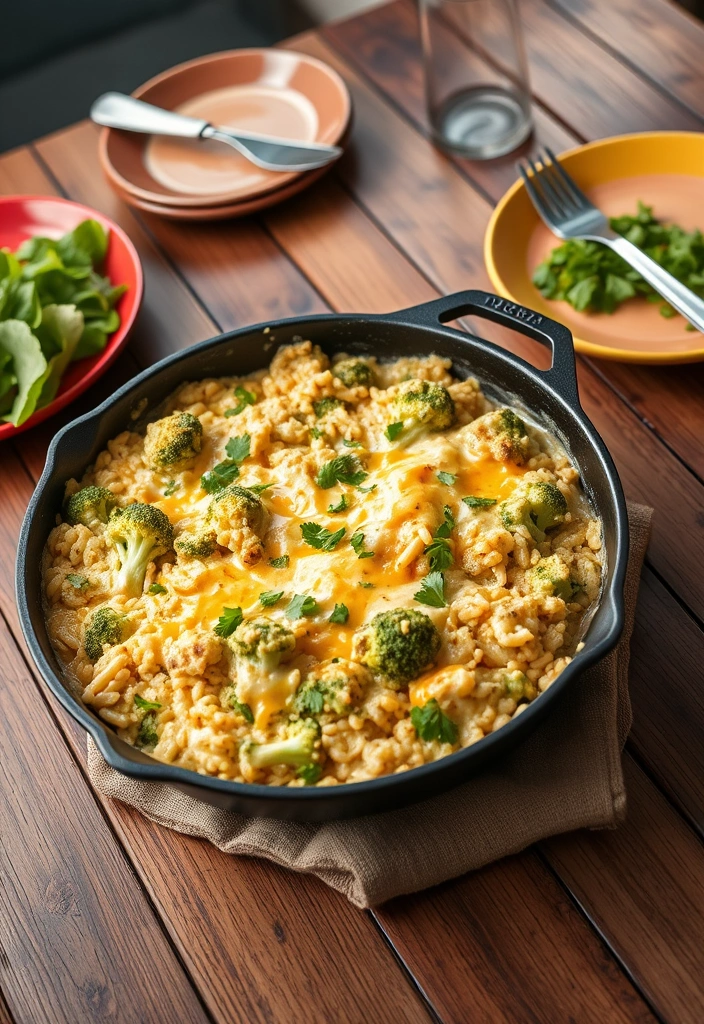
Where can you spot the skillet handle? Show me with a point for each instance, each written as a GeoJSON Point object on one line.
{"type": "Point", "coordinates": [562, 375]}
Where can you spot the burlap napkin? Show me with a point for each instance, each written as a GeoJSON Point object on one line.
{"type": "Point", "coordinates": [566, 775]}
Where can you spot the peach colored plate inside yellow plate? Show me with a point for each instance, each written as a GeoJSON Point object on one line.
{"type": "Point", "coordinates": [663, 169]}
{"type": "Point", "coordinates": [278, 92]}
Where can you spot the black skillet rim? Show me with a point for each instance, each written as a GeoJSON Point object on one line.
{"type": "Point", "coordinates": [559, 381]}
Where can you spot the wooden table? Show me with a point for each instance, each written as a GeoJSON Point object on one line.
{"type": "Point", "coordinates": [106, 917]}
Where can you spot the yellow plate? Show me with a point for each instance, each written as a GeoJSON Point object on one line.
{"type": "Point", "coordinates": [665, 170]}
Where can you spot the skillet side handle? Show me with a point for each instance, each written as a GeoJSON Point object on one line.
{"type": "Point", "coordinates": [562, 375]}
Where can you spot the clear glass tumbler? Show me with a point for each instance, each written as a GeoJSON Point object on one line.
{"type": "Point", "coordinates": [476, 76]}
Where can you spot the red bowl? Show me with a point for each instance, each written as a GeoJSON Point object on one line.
{"type": "Point", "coordinates": [24, 216]}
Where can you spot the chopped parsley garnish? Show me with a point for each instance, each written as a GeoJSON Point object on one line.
{"type": "Point", "coordinates": [300, 606]}
{"type": "Point", "coordinates": [171, 488]}
{"type": "Point", "coordinates": [244, 398]}
{"type": "Point", "coordinates": [431, 723]}
{"type": "Point", "coordinates": [393, 430]}
{"type": "Point", "coordinates": [147, 735]}
{"type": "Point", "coordinates": [310, 773]}
{"type": "Point", "coordinates": [314, 432]}
{"type": "Point", "coordinates": [241, 709]}
{"type": "Point", "coordinates": [77, 581]}
{"type": "Point", "coordinates": [345, 469]}
{"type": "Point", "coordinates": [340, 614]}
{"type": "Point", "coordinates": [440, 552]}
{"type": "Point", "coordinates": [432, 591]}
{"type": "Point", "coordinates": [363, 583]}
{"type": "Point", "coordinates": [311, 701]}
{"type": "Point", "coordinates": [473, 502]}
{"type": "Point", "coordinates": [258, 488]}
{"type": "Point", "coordinates": [318, 537]}
{"type": "Point", "coordinates": [146, 705]}
{"type": "Point", "coordinates": [157, 588]}
{"type": "Point", "coordinates": [367, 490]}
{"type": "Point", "coordinates": [342, 504]}
{"type": "Point", "coordinates": [270, 597]}
{"type": "Point", "coordinates": [351, 444]}
{"type": "Point", "coordinates": [228, 621]}
{"type": "Point", "coordinates": [225, 472]}
{"type": "Point", "coordinates": [357, 542]}
{"type": "Point", "coordinates": [447, 478]}
{"type": "Point", "coordinates": [279, 563]}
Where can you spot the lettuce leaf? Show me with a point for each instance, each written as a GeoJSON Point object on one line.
{"type": "Point", "coordinates": [29, 366]}
{"type": "Point", "coordinates": [58, 334]}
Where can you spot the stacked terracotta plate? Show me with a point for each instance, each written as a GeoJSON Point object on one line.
{"type": "Point", "coordinates": [277, 92]}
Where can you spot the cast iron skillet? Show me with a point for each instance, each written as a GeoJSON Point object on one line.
{"type": "Point", "coordinates": [550, 395]}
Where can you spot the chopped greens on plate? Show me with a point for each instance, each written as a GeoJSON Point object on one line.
{"type": "Point", "coordinates": [55, 308]}
{"type": "Point", "coordinates": [594, 279]}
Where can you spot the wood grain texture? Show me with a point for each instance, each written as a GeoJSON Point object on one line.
{"type": "Point", "coordinates": [5, 1017]}
{"type": "Point", "coordinates": [642, 884]}
{"type": "Point", "coordinates": [383, 44]}
{"type": "Point", "coordinates": [72, 914]}
{"type": "Point", "coordinates": [667, 654]}
{"type": "Point", "coordinates": [661, 40]}
{"type": "Point", "coordinates": [455, 936]}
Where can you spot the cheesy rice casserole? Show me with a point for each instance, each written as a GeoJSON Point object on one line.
{"type": "Point", "coordinates": [321, 573]}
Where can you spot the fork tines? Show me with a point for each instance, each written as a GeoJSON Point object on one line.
{"type": "Point", "coordinates": [551, 189]}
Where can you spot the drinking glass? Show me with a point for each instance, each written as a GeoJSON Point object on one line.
{"type": "Point", "coordinates": [476, 76]}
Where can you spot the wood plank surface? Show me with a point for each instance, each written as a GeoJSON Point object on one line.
{"type": "Point", "coordinates": [383, 44]}
{"type": "Point", "coordinates": [660, 39]}
{"type": "Point", "coordinates": [642, 885]}
{"type": "Point", "coordinates": [243, 974]}
{"type": "Point", "coordinates": [5, 1017]}
{"type": "Point", "coordinates": [79, 939]}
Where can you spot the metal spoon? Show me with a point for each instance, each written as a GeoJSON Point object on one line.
{"type": "Point", "coordinates": [115, 110]}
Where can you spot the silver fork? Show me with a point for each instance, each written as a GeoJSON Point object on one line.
{"type": "Point", "coordinates": [568, 213]}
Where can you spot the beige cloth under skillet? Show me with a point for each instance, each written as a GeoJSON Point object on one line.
{"type": "Point", "coordinates": [565, 775]}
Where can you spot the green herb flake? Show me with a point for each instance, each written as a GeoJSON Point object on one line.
{"type": "Point", "coordinates": [340, 614]}
{"type": "Point", "coordinates": [270, 597]}
{"type": "Point", "coordinates": [318, 537]}
{"type": "Point", "coordinates": [471, 501]}
{"type": "Point", "coordinates": [77, 581]}
{"type": "Point", "coordinates": [447, 478]}
{"type": "Point", "coordinates": [357, 542]}
{"type": "Point", "coordinates": [228, 622]}
{"type": "Point", "coordinates": [432, 591]}
{"type": "Point", "coordinates": [301, 606]}
{"type": "Point", "coordinates": [345, 469]}
{"type": "Point", "coordinates": [171, 488]}
{"type": "Point", "coordinates": [244, 398]}
{"type": "Point", "coordinates": [342, 504]}
{"type": "Point", "coordinates": [279, 563]}
{"type": "Point", "coordinates": [393, 430]}
{"type": "Point", "coordinates": [238, 448]}
{"type": "Point", "coordinates": [310, 773]}
{"type": "Point", "coordinates": [431, 723]}
{"type": "Point", "coordinates": [219, 476]}
{"type": "Point", "coordinates": [146, 705]}
{"type": "Point", "coordinates": [315, 433]}
{"type": "Point", "coordinates": [259, 488]}
{"type": "Point", "coordinates": [241, 709]}
{"type": "Point", "coordinates": [351, 444]}
{"type": "Point", "coordinates": [367, 490]}
{"type": "Point", "coordinates": [366, 585]}
{"type": "Point", "coordinates": [157, 588]}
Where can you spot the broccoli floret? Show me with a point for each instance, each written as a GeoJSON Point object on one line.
{"type": "Point", "coordinates": [174, 441]}
{"type": "Point", "coordinates": [336, 687]}
{"type": "Point", "coordinates": [263, 642]}
{"type": "Point", "coordinates": [519, 686]}
{"type": "Point", "coordinates": [397, 645]}
{"type": "Point", "coordinates": [422, 406]}
{"type": "Point", "coordinates": [326, 405]}
{"type": "Point", "coordinates": [353, 373]}
{"type": "Point", "coordinates": [238, 516]}
{"type": "Point", "coordinates": [105, 627]}
{"type": "Point", "coordinates": [552, 576]}
{"type": "Point", "coordinates": [299, 748]}
{"type": "Point", "coordinates": [505, 435]}
{"type": "Point", "coordinates": [140, 533]}
{"type": "Point", "coordinates": [147, 735]}
{"type": "Point", "coordinates": [197, 544]}
{"type": "Point", "coordinates": [536, 506]}
{"type": "Point", "coordinates": [89, 506]}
